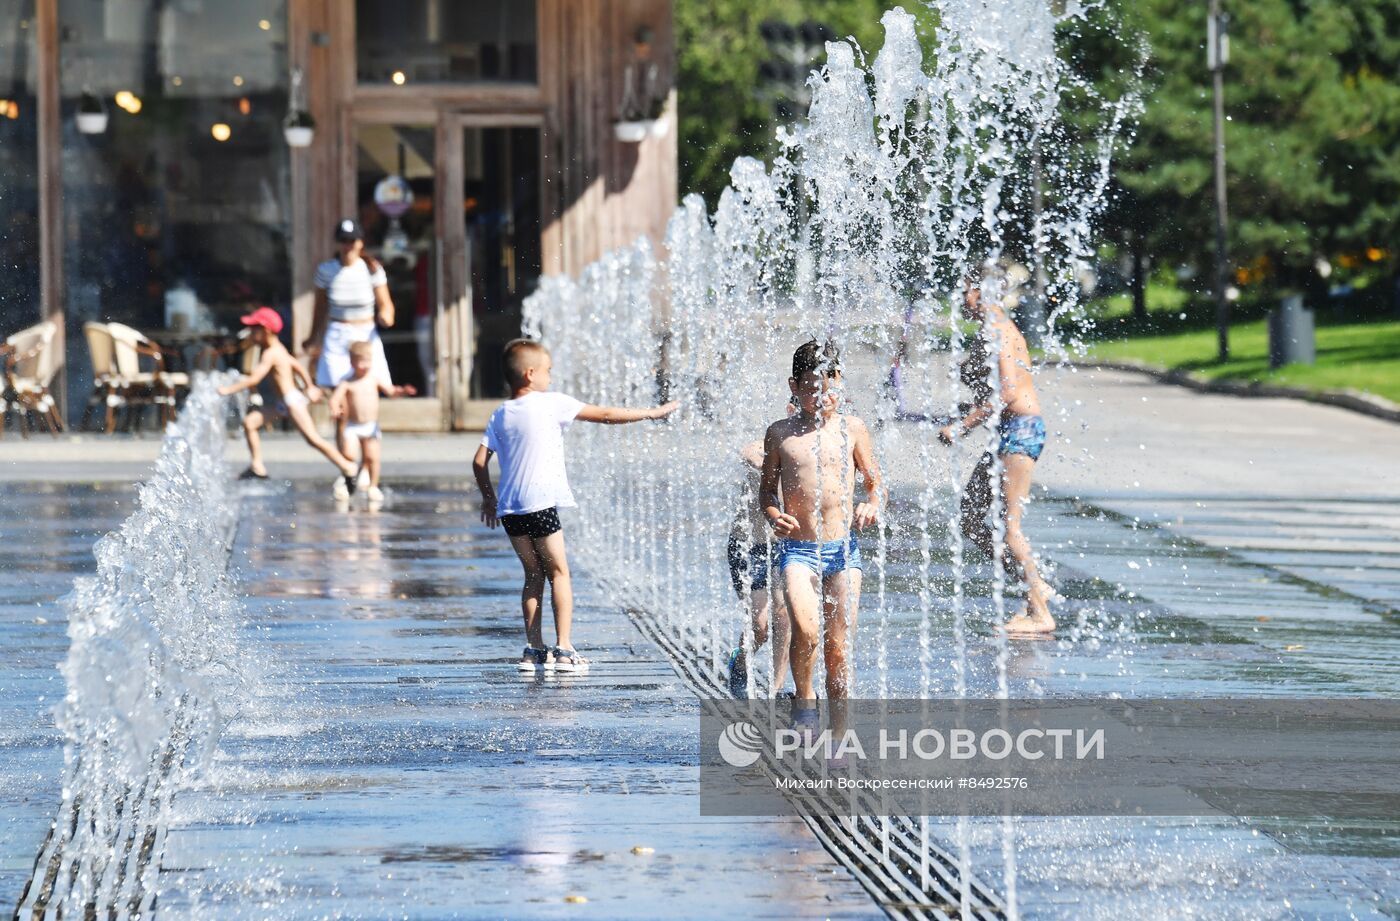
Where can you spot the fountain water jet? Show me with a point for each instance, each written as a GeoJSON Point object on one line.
{"type": "Point", "coordinates": [904, 178]}
{"type": "Point", "coordinates": [154, 671]}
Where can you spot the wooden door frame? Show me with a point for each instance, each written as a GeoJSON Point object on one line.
{"type": "Point", "coordinates": [49, 151]}
{"type": "Point", "coordinates": [454, 325]}
{"type": "Point", "coordinates": [348, 195]}
{"type": "Point", "coordinates": [451, 108]}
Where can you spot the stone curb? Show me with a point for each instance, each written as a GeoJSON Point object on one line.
{"type": "Point", "coordinates": [1354, 400]}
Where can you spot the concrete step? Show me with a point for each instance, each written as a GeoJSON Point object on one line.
{"type": "Point", "coordinates": [420, 414]}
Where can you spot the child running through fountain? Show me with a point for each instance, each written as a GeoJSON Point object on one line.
{"type": "Point", "coordinates": [527, 433]}
{"type": "Point", "coordinates": [753, 570]}
{"type": "Point", "coordinates": [286, 372]}
{"type": "Point", "coordinates": [1020, 437]}
{"type": "Point", "coordinates": [356, 402]}
{"type": "Point", "coordinates": [810, 462]}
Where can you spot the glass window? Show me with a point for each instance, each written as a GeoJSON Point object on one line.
{"type": "Point", "coordinates": [445, 41]}
{"type": "Point", "coordinates": [19, 164]}
{"type": "Point", "coordinates": [176, 215]}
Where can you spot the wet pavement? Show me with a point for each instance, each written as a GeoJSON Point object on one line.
{"type": "Point", "coordinates": [397, 764]}
{"type": "Point", "coordinates": [1305, 492]}
{"type": "Point", "coordinates": [393, 763]}
{"type": "Point", "coordinates": [46, 538]}
{"type": "Point", "coordinates": [1152, 615]}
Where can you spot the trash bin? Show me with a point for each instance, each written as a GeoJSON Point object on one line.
{"type": "Point", "coordinates": [1292, 333]}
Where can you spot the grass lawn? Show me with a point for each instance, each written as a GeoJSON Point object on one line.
{"type": "Point", "coordinates": [1350, 355]}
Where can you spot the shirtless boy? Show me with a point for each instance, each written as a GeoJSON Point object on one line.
{"type": "Point", "coordinates": [286, 373]}
{"type": "Point", "coordinates": [807, 490]}
{"type": "Point", "coordinates": [355, 402]}
{"type": "Point", "coordinates": [1020, 439]}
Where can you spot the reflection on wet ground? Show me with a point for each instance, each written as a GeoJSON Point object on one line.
{"type": "Point", "coordinates": [399, 764]}
{"type": "Point", "coordinates": [1150, 613]}
{"type": "Point", "coordinates": [46, 538]}
{"type": "Point", "coordinates": [1153, 614]}
{"type": "Point", "coordinates": [394, 762]}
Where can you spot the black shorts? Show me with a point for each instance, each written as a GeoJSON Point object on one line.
{"type": "Point", "coordinates": [532, 524]}
{"type": "Point", "coordinates": [737, 554]}
{"type": "Point", "coordinates": [750, 566]}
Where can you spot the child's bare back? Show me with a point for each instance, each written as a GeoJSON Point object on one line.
{"type": "Point", "coordinates": [283, 370]}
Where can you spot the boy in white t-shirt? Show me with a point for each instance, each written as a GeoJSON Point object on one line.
{"type": "Point", "coordinates": [527, 432]}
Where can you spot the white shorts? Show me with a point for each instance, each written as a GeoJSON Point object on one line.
{"type": "Point", "coordinates": [334, 365]}
{"type": "Point", "coordinates": [362, 429]}
{"type": "Point", "coordinates": [284, 402]}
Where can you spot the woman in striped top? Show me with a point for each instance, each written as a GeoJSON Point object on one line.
{"type": "Point", "coordinates": [352, 292]}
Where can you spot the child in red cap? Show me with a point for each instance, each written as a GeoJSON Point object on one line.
{"type": "Point", "coordinates": [288, 376]}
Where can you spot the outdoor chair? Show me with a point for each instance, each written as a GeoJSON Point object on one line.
{"type": "Point", "coordinates": [157, 387]}
{"type": "Point", "coordinates": [32, 361]}
{"type": "Point", "coordinates": [250, 352]}
{"type": "Point", "coordinates": [108, 389]}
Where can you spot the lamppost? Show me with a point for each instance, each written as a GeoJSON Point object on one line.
{"type": "Point", "coordinates": [1034, 312]}
{"type": "Point", "coordinates": [1217, 56]}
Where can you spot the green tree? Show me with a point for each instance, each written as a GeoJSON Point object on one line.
{"type": "Point", "coordinates": [1312, 92]}
{"type": "Point", "coordinates": [724, 111]}
{"type": "Point", "coordinates": [1313, 165]}
{"type": "Point", "coordinates": [1361, 117]}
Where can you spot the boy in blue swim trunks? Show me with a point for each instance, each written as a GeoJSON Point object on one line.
{"type": "Point", "coordinates": [1002, 388]}
{"type": "Point", "coordinates": [811, 461]}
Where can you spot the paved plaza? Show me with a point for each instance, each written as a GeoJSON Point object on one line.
{"type": "Point", "coordinates": [391, 762]}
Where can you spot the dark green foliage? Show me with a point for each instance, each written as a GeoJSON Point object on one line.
{"type": "Point", "coordinates": [1312, 92]}
{"type": "Point", "coordinates": [724, 111]}
{"type": "Point", "coordinates": [1312, 141]}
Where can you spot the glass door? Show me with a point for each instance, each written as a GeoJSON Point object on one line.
{"type": "Point", "coordinates": [396, 183]}
{"type": "Point", "coordinates": [501, 212]}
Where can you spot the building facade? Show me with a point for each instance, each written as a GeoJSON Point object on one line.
{"type": "Point", "coordinates": [477, 141]}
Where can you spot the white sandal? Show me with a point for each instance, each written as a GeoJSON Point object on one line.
{"type": "Point", "coordinates": [569, 661]}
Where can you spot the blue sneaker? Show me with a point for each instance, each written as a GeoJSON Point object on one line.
{"type": "Point", "coordinates": [533, 658]}
{"type": "Point", "coordinates": [806, 722]}
{"type": "Point", "coordinates": [738, 675]}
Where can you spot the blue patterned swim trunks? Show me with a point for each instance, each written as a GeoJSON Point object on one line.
{"type": "Point", "coordinates": [1022, 435]}
{"type": "Point", "coordinates": [825, 558]}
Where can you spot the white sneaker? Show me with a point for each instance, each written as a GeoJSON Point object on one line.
{"type": "Point", "coordinates": [340, 490]}
{"type": "Point", "coordinates": [362, 479]}
{"type": "Point", "coordinates": [376, 495]}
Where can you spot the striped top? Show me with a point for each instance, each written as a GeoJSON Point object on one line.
{"type": "Point", "coordinates": [350, 288]}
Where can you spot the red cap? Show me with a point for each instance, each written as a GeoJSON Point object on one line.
{"type": "Point", "coordinates": [265, 317]}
